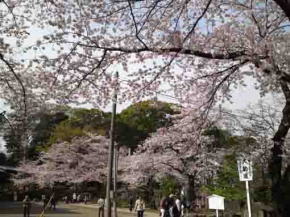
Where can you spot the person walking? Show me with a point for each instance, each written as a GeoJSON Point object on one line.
{"type": "Point", "coordinates": [26, 206]}
{"type": "Point", "coordinates": [101, 203]}
{"type": "Point", "coordinates": [74, 197]}
{"type": "Point", "coordinates": [79, 198]}
{"type": "Point", "coordinates": [165, 205]}
{"type": "Point", "coordinates": [65, 199]}
{"type": "Point", "coordinates": [53, 203]}
{"type": "Point", "coordinates": [15, 195]}
{"type": "Point", "coordinates": [130, 203]}
{"type": "Point", "coordinates": [176, 210]}
{"type": "Point", "coordinates": [140, 207]}
{"type": "Point", "coordinates": [173, 209]}
{"type": "Point", "coordinates": [43, 199]}
{"type": "Point", "coordinates": [85, 199]}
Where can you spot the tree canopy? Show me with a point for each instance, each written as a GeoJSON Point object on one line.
{"type": "Point", "coordinates": [201, 49]}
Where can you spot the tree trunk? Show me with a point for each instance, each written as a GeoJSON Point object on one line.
{"type": "Point", "coordinates": [275, 165]}
{"type": "Point", "coordinates": [190, 191]}
{"type": "Point", "coordinates": [285, 6]}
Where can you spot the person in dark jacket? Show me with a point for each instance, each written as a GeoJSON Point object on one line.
{"type": "Point", "coordinates": [165, 205]}
{"type": "Point", "coordinates": [53, 203]}
{"type": "Point", "coordinates": [131, 203]}
{"type": "Point", "coordinates": [26, 206]}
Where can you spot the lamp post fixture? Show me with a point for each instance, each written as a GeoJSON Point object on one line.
{"type": "Point", "coordinates": [109, 192]}
{"type": "Point", "coordinates": [246, 175]}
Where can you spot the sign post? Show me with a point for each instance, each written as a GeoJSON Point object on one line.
{"type": "Point", "coordinates": [216, 202]}
{"type": "Point", "coordinates": [246, 175]}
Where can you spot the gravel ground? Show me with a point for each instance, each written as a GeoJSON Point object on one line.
{"type": "Point", "coordinates": [12, 209]}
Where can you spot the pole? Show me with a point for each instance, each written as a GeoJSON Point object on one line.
{"type": "Point", "coordinates": [24, 142]}
{"type": "Point", "coordinates": [116, 152]}
{"type": "Point", "coordinates": [248, 199]}
{"type": "Point", "coordinates": [217, 213]}
{"type": "Point", "coordinates": [111, 155]}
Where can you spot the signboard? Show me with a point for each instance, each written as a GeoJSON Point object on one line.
{"type": "Point", "coordinates": [245, 169]}
{"type": "Point", "coordinates": [216, 202]}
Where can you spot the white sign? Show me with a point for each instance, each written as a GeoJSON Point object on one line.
{"type": "Point", "coordinates": [245, 170]}
{"type": "Point", "coordinates": [216, 202]}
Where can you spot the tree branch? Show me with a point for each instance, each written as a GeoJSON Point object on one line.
{"type": "Point", "coordinates": [19, 81]}
{"type": "Point", "coordinates": [89, 73]}
{"type": "Point", "coordinates": [197, 21]}
{"type": "Point", "coordinates": [135, 24]}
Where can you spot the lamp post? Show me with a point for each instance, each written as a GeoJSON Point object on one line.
{"type": "Point", "coordinates": [109, 192]}
{"type": "Point", "coordinates": [246, 175]}
{"type": "Point", "coordinates": [116, 156]}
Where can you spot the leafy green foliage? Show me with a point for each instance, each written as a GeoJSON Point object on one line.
{"type": "Point", "coordinates": [141, 119]}
{"type": "Point", "coordinates": [13, 146]}
{"type": "Point", "coordinates": [44, 130]}
{"type": "Point", "coordinates": [227, 183]}
{"type": "Point", "coordinates": [133, 125]}
{"type": "Point", "coordinates": [65, 132]}
{"type": "Point", "coordinates": [78, 122]}
{"type": "Point", "coordinates": [88, 119]}
{"type": "Point", "coordinates": [168, 185]}
{"type": "Point", "coordinates": [147, 116]}
{"type": "Point", "coordinates": [4, 177]}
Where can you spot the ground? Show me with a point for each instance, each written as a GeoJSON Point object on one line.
{"type": "Point", "coordinates": [12, 209]}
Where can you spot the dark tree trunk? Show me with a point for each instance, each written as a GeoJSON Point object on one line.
{"type": "Point", "coordinates": [275, 166]}
{"type": "Point", "coordinates": [190, 191]}
{"type": "Point", "coordinates": [285, 188]}
{"type": "Point", "coordinates": [191, 188]}
{"type": "Point", "coordinates": [285, 6]}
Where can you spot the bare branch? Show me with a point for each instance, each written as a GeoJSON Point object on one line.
{"type": "Point", "coordinates": [10, 10]}
{"type": "Point", "coordinates": [88, 73]}
{"type": "Point", "coordinates": [197, 21]}
{"type": "Point", "coordinates": [135, 24]}
{"type": "Point", "coordinates": [19, 82]}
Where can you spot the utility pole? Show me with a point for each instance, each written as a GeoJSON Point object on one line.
{"type": "Point", "coordinates": [109, 192]}
{"type": "Point", "coordinates": [116, 156]}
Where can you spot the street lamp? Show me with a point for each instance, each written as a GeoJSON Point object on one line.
{"type": "Point", "coordinates": [246, 175]}
{"type": "Point", "coordinates": [109, 192]}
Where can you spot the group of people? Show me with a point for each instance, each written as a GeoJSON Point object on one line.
{"type": "Point", "coordinates": [77, 198]}
{"type": "Point", "coordinates": [45, 203]}
{"type": "Point", "coordinates": [170, 206]}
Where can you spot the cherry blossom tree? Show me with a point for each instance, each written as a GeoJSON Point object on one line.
{"type": "Point", "coordinates": [181, 150]}
{"type": "Point", "coordinates": [200, 48]}
{"type": "Point", "coordinates": [18, 86]}
{"type": "Point", "coordinates": [89, 42]}
{"type": "Point", "coordinates": [84, 159]}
